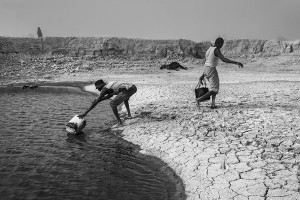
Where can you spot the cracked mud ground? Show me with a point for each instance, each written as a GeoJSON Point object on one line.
{"type": "Point", "coordinates": [248, 148]}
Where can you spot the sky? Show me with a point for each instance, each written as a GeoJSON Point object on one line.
{"type": "Point", "coordinates": [197, 20]}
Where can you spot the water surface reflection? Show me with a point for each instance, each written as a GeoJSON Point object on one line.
{"type": "Point", "coordinates": [40, 160]}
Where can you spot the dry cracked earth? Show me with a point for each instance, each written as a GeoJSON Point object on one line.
{"type": "Point", "coordinates": [247, 149]}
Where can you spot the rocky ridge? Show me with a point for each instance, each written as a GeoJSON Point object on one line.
{"type": "Point", "coordinates": [136, 49]}
{"type": "Point", "coordinates": [33, 59]}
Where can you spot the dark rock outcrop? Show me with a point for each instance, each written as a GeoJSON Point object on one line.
{"type": "Point", "coordinates": [173, 66]}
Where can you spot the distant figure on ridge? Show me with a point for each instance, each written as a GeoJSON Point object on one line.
{"type": "Point", "coordinates": [213, 54]}
{"type": "Point", "coordinates": [108, 89]}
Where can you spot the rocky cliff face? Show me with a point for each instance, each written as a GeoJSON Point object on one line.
{"type": "Point", "coordinates": [143, 49]}
{"type": "Point", "coordinates": [261, 47]}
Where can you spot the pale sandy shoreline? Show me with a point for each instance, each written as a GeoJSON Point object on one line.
{"type": "Point", "coordinates": [248, 148]}
{"type": "Point", "coordinates": [219, 159]}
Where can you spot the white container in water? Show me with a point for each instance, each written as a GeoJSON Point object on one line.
{"type": "Point", "coordinates": [75, 125]}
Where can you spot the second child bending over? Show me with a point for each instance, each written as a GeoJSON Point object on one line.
{"type": "Point", "coordinates": [123, 92]}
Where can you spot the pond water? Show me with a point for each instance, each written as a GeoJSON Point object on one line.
{"type": "Point", "coordinates": [40, 160]}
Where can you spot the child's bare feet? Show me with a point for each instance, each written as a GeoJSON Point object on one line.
{"type": "Point", "coordinates": [118, 125]}
{"type": "Point", "coordinates": [213, 107]}
{"type": "Point", "coordinates": [128, 117]}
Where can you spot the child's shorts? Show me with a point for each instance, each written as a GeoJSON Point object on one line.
{"type": "Point", "coordinates": [123, 96]}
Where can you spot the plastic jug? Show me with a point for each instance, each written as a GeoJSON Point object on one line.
{"type": "Point", "coordinates": [75, 125]}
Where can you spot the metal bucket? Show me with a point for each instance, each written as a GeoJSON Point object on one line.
{"type": "Point", "coordinates": [75, 125]}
